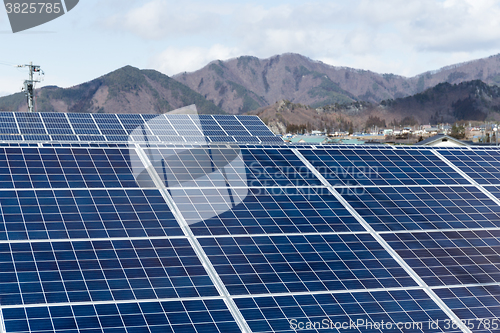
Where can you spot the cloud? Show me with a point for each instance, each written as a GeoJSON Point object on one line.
{"type": "Point", "coordinates": [175, 60]}
{"type": "Point", "coordinates": [159, 19]}
{"type": "Point", "coordinates": [357, 33]}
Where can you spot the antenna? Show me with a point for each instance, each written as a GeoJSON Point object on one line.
{"type": "Point", "coordinates": [30, 84]}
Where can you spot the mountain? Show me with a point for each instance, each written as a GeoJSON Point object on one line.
{"type": "Point", "coordinates": [126, 90]}
{"type": "Point", "coordinates": [445, 102]}
{"type": "Point", "coordinates": [247, 83]}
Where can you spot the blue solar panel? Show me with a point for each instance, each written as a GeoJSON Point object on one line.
{"type": "Point", "coordinates": [380, 311]}
{"type": "Point", "coordinates": [11, 137]}
{"type": "Point", "coordinates": [84, 228]}
{"type": "Point", "coordinates": [111, 270]}
{"type": "Point", "coordinates": [312, 263]}
{"type": "Point", "coordinates": [142, 127]}
{"type": "Point", "coordinates": [221, 138]}
{"type": "Point", "coordinates": [231, 166]}
{"type": "Point", "coordinates": [211, 316]}
{"type": "Point", "coordinates": [91, 138]}
{"type": "Point", "coordinates": [61, 214]}
{"type": "Point", "coordinates": [56, 123]}
{"type": "Point", "coordinates": [36, 137]}
{"type": "Point", "coordinates": [451, 257]}
{"type": "Point", "coordinates": [64, 138]}
{"type": "Point", "coordinates": [263, 211]}
{"type": "Point", "coordinates": [481, 165]}
{"type": "Point", "coordinates": [417, 208]}
{"type": "Point", "coordinates": [478, 307]}
{"type": "Point", "coordinates": [269, 140]}
{"type": "Point", "coordinates": [69, 167]}
{"type": "Point", "coordinates": [246, 139]}
{"type": "Point", "coordinates": [361, 166]}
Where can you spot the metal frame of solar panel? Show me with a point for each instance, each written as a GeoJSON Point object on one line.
{"type": "Point", "coordinates": [181, 235]}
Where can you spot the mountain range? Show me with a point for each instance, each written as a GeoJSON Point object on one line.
{"type": "Point", "coordinates": [249, 84]}
{"type": "Point", "coordinates": [126, 90]}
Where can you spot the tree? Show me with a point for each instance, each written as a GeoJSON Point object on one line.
{"type": "Point", "coordinates": [458, 131]}
{"type": "Point", "coordinates": [375, 121]}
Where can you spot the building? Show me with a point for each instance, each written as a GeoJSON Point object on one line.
{"type": "Point", "coordinates": [443, 140]}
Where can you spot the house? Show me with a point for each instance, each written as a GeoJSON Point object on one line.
{"type": "Point", "coordinates": [314, 139]}
{"type": "Point", "coordinates": [443, 140]}
{"type": "Point", "coordinates": [352, 141]}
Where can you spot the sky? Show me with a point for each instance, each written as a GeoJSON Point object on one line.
{"type": "Point", "coordinates": [404, 37]}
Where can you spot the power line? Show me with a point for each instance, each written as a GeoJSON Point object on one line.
{"type": "Point", "coordinates": [29, 84]}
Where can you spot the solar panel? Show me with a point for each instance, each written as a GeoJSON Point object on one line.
{"type": "Point", "coordinates": [312, 263]}
{"type": "Point", "coordinates": [209, 315]}
{"type": "Point", "coordinates": [378, 311]}
{"type": "Point", "coordinates": [141, 226]}
{"type": "Point", "coordinates": [451, 257]}
{"type": "Point", "coordinates": [480, 165]}
{"type": "Point", "coordinates": [351, 166]}
{"type": "Point", "coordinates": [69, 167]}
{"type": "Point", "coordinates": [262, 211]}
{"type": "Point", "coordinates": [477, 306]}
{"type": "Point", "coordinates": [237, 167]}
{"type": "Point", "coordinates": [143, 128]}
{"type": "Point", "coordinates": [424, 208]}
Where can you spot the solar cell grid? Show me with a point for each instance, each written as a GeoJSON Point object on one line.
{"type": "Point", "coordinates": [479, 307]}
{"type": "Point", "coordinates": [154, 317]}
{"type": "Point", "coordinates": [360, 166]}
{"type": "Point", "coordinates": [480, 165]}
{"type": "Point", "coordinates": [240, 137]}
{"type": "Point", "coordinates": [68, 167]}
{"type": "Point", "coordinates": [91, 138]}
{"type": "Point", "coordinates": [169, 138]}
{"type": "Point", "coordinates": [302, 239]}
{"type": "Point", "coordinates": [118, 138]}
{"type": "Point", "coordinates": [311, 263]}
{"type": "Point", "coordinates": [452, 257]}
{"type": "Point", "coordinates": [36, 137]}
{"type": "Point", "coordinates": [6, 129]}
{"type": "Point", "coordinates": [62, 214]}
{"type": "Point", "coordinates": [329, 312]}
{"type": "Point", "coordinates": [164, 131]}
{"type": "Point", "coordinates": [115, 126]}
{"type": "Point", "coordinates": [64, 138]}
{"type": "Point", "coordinates": [221, 139]}
{"type": "Point", "coordinates": [61, 272]}
{"type": "Point", "coordinates": [196, 139]}
{"type": "Point", "coordinates": [417, 208]}
{"type": "Point", "coordinates": [263, 210]}
{"type": "Point", "coordinates": [216, 167]}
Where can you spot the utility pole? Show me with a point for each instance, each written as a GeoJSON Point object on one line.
{"type": "Point", "coordinates": [30, 84]}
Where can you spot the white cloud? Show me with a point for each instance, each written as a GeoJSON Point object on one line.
{"type": "Point", "coordinates": [159, 19]}
{"type": "Point", "coordinates": [175, 60]}
{"type": "Point", "coordinates": [359, 33]}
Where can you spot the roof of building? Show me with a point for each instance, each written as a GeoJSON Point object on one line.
{"type": "Point", "coordinates": [309, 139]}
{"type": "Point", "coordinates": [443, 138]}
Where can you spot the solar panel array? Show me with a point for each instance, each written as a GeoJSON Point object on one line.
{"type": "Point", "coordinates": [151, 236]}
{"type": "Point", "coordinates": [97, 127]}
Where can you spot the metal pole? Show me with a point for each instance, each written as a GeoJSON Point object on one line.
{"type": "Point", "coordinates": [30, 89]}
{"type": "Point", "coordinates": [30, 84]}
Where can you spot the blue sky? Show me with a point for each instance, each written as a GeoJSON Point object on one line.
{"type": "Point", "coordinates": [404, 37]}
